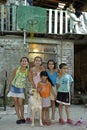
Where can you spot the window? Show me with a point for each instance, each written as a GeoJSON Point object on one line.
{"type": "Point", "coordinates": [46, 51]}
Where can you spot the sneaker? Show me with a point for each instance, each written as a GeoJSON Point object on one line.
{"type": "Point", "coordinates": [28, 121]}
{"type": "Point", "coordinates": [61, 121]}
{"type": "Point", "coordinates": [22, 120]}
{"type": "Point", "coordinates": [18, 122]}
{"type": "Point", "coordinates": [69, 121]}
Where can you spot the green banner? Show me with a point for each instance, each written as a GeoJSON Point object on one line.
{"type": "Point", "coordinates": [32, 19]}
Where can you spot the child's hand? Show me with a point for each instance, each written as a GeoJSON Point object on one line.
{"type": "Point", "coordinates": [38, 89]}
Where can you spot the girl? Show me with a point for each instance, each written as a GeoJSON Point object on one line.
{"type": "Point", "coordinates": [35, 71]}
{"type": "Point", "coordinates": [63, 96]}
{"type": "Point", "coordinates": [16, 87]}
{"type": "Point", "coordinates": [44, 87]}
{"type": "Point", "coordinates": [52, 74]}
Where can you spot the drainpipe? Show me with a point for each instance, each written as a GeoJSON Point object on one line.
{"type": "Point", "coordinates": [24, 37]}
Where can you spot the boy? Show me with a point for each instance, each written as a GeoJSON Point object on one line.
{"type": "Point", "coordinates": [63, 93]}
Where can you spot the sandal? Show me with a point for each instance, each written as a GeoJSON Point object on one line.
{"type": "Point", "coordinates": [61, 121]}
{"type": "Point", "coordinates": [44, 122]}
{"type": "Point", "coordinates": [22, 120]}
{"type": "Point", "coordinates": [18, 122]}
{"type": "Point", "coordinates": [48, 123]}
{"type": "Point", "coordinates": [69, 121]}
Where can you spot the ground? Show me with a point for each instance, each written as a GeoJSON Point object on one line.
{"type": "Point", "coordinates": [8, 120]}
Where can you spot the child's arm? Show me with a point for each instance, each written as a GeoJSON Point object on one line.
{"type": "Point", "coordinates": [57, 86]}
{"type": "Point", "coordinates": [38, 87]}
{"type": "Point", "coordinates": [71, 85]}
{"type": "Point", "coordinates": [11, 79]}
{"type": "Point", "coordinates": [31, 79]}
{"type": "Point", "coordinates": [53, 93]}
{"type": "Point", "coordinates": [58, 71]}
{"type": "Point", "coordinates": [57, 82]}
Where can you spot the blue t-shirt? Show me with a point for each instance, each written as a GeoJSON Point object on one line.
{"type": "Point", "coordinates": [64, 83]}
{"type": "Point", "coordinates": [52, 76]}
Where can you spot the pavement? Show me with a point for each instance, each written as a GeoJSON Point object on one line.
{"type": "Point", "coordinates": [8, 120]}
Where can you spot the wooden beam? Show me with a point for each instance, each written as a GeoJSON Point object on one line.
{"type": "Point", "coordinates": [80, 1]}
{"type": "Point", "coordinates": [54, 1]}
{"type": "Point", "coordinates": [47, 5]}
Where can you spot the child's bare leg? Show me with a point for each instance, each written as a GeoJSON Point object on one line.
{"type": "Point", "coordinates": [17, 107]}
{"type": "Point", "coordinates": [53, 109]}
{"type": "Point", "coordinates": [21, 107]}
{"type": "Point", "coordinates": [68, 115]}
{"type": "Point", "coordinates": [47, 114]}
{"type": "Point", "coordinates": [43, 114]}
{"type": "Point", "coordinates": [67, 111]}
{"type": "Point", "coordinates": [60, 110]}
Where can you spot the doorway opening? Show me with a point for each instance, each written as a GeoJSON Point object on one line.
{"type": "Point", "coordinates": [80, 69]}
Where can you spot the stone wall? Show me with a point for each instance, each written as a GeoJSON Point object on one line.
{"type": "Point", "coordinates": [11, 50]}
{"type": "Point", "coordinates": [66, 55]}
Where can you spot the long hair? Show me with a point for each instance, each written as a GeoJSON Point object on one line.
{"type": "Point", "coordinates": [53, 63]}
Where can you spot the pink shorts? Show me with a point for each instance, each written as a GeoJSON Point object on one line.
{"type": "Point", "coordinates": [46, 102]}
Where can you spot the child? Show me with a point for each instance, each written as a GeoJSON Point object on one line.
{"type": "Point", "coordinates": [35, 73]}
{"type": "Point", "coordinates": [36, 69]}
{"type": "Point", "coordinates": [52, 74]}
{"type": "Point", "coordinates": [16, 87]}
{"type": "Point", "coordinates": [71, 11]}
{"type": "Point", "coordinates": [44, 87]}
{"type": "Point", "coordinates": [63, 95]}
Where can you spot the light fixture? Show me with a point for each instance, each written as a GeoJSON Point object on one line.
{"type": "Point", "coordinates": [35, 50]}
{"type": "Point", "coordinates": [61, 5]}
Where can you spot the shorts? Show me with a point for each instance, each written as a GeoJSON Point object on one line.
{"type": "Point", "coordinates": [63, 98]}
{"type": "Point", "coordinates": [16, 92]}
{"type": "Point", "coordinates": [55, 91]}
{"type": "Point", "coordinates": [46, 102]}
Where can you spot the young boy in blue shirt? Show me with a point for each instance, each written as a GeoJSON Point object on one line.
{"type": "Point", "coordinates": [64, 81]}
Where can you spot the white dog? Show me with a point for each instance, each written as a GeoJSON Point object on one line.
{"type": "Point", "coordinates": [35, 104]}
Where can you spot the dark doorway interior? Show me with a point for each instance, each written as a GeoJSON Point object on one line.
{"type": "Point", "coordinates": [80, 70]}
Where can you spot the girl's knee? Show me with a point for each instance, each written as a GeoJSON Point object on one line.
{"type": "Point", "coordinates": [60, 104]}
{"type": "Point", "coordinates": [15, 102]}
{"type": "Point", "coordinates": [21, 104]}
{"type": "Point", "coordinates": [66, 107]}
